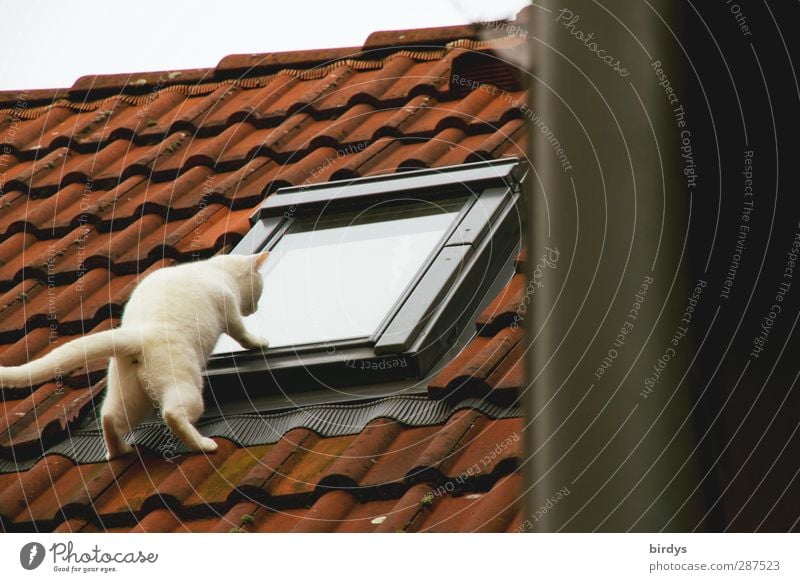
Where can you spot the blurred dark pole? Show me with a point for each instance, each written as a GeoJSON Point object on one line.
{"type": "Point", "coordinates": [612, 445]}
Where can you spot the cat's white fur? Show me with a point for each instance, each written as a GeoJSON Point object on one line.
{"type": "Point", "coordinates": [170, 325]}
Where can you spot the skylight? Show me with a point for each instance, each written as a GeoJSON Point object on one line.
{"type": "Point", "coordinates": [337, 277]}
{"type": "Point", "coordinates": [372, 279]}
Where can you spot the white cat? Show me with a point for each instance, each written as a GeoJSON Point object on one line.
{"type": "Point", "coordinates": [171, 323]}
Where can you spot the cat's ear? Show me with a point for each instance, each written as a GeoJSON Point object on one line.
{"type": "Point", "coordinates": [258, 260]}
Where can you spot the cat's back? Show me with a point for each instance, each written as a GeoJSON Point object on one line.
{"type": "Point", "coordinates": [176, 292]}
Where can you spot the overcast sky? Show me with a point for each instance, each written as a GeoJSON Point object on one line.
{"type": "Point", "coordinates": [50, 43]}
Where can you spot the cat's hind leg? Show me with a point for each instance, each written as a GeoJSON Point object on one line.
{"type": "Point", "coordinates": [124, 406]}
{"type": "Point", "coordinates": [181, 408]}
{"type": "Point", "coordinates": [176, 378]}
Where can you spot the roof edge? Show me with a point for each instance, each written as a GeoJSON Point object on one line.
{"type": "Point", "coordinates": [90, 87]}
{"type": "Point", "coordinates": [428, 37]}
{"type": "Point", "coordinates": [22, 99]}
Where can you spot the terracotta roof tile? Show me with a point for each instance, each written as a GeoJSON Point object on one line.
{"type": "Point", "coordinates": [506, 308]}
{"type": "Point", "coordinates": [126, 497]}
{"type": "Point", "coordinates": [471, 372]}
{"type": "Point", "coordinates": [271, 463]}
{"type": "Point", "coordinates": [29, 135]}
{"type": "Point", "coordinates": [125, 174]}
{"type": "Point", "coordinates": [215, 110]}
{"type": "Point", "coordinates": [233, 470]}
{"type": "Point", "coordinates": [487, 447]}
{"type": "Point", "coordinates": [423, 37]}
{"type": "Point", "coordinates": [399, 460]}
{"type": "Point", "coordinates": [187, 480]}
{"type": "Point", "coordinates": [247, 63]}
{"type": "Point", "coordinates": [80, 483]}
{"type": "Point", "coordinates": [289, 474]}
{"type": "Point", "coordinates": [48, 421]}
{"type": "Point", "coordinates": [39, 341]}
{"type": "Point", "coordinates": [17, 410]}
{"type": "Point", "coordinates": [361, 455]}
{"type": "Point", "coordinates": [72, 308]}
{"type": "Point", "coordinates": [160, 520]}
{"type": "Point", "coordinates": [495, 509]}
{"type": "Point", "coordinates": [307, 464]}
{"type": "Point", "coordinates": [438, 455]}
{"type": "Point", "coordinates": [21, 490]}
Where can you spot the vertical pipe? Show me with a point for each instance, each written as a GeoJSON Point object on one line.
{"type": "Point", "coordinates": [611, 440]}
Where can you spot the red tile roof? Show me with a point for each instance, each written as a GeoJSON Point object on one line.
{"type": "Point", "coordinates": [386, 461]}
{"type": "Point", "coordinates": [340, 511]}
{"type": "Point", "coordinates": [120, 175]}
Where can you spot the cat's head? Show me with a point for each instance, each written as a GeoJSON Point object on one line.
{"type": "Point", "coordinates": [248, 279]}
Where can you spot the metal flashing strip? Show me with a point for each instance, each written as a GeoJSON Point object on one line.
{"type": "Point", "coordinates": [245, 430]}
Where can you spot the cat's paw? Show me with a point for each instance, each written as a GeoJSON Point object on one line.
{"type": "Point", "coordinates": [255, 342]}
{"type": "Point", "coordinates": [120, 451]}
{"type": "Point", "coordinates": [208, 445]}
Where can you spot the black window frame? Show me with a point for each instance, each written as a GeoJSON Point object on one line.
{"type": "Point", "coordinates": [433, 311]}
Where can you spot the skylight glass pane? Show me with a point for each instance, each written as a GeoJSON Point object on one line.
{"type": "Point", "coordinates": [337, 278]}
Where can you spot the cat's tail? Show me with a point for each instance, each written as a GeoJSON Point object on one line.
{"type": "Point", "coordinates": [72, 355]}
